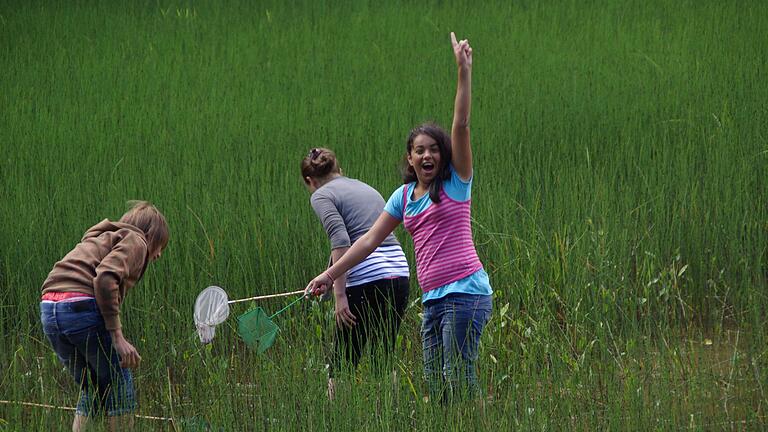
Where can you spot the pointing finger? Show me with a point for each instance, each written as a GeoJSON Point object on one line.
{"type": "Point", "coordinates": [453, 39]}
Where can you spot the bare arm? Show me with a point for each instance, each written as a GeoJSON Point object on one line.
{"type": "Point", "coordinates": [460, 143]}
{"type": "Point", "coordinates": [340, 283]}
{"type": "Point", "coordinates": [344, 316]}
{"type": "Point", "coordinates": [363, 247]}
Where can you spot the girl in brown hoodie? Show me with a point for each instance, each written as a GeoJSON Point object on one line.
{"type": "Point", "coordinates": [80, 310]}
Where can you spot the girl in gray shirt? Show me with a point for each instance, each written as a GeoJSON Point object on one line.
{"type": "Point", "coordinates": [370, 299]}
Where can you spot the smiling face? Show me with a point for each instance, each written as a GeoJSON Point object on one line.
{"type": "Point", "coordinates": [425, 158]}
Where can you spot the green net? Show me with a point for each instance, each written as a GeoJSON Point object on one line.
{"type": "Point", "coordinates": [257, 329]}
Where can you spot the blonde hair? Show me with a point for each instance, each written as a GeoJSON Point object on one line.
{"type": "Point", "coordinates": [148, 218]}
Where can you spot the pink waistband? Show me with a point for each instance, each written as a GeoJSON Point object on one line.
{"type": "Point", "coordinates": [65, 296]}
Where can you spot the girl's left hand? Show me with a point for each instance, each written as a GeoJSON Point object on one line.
{"type": "Point", "coordinates": [462, 51]}
{"type": "Point", "coordinates": [319, 285]}
{"type": "Point", "coordinates": [344, 316]}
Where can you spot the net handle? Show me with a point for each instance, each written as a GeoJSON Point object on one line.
{"type": "Point", "coordinates": [264, 297]}
{"type": "Point", "coordinates": [289, 305]}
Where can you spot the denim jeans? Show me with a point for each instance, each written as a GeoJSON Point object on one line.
{"type": "Point", "coordinates": [77, 334]}
{"type": "Point", "coordinates": [450, 334]}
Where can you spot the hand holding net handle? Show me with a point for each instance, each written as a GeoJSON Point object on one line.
{"type": "Point", "coordinates": [264, 297]}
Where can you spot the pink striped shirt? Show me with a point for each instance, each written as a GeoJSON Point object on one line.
{"type": "Point", "coordinates": [442, 239]}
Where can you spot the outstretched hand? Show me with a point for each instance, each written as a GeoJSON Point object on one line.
{"type": "Point", "coordinates": [462, 51]}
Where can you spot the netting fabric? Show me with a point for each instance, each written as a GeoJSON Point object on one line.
{"type": "Point", "coordinates": [211, 309]}
{"type": "Point", "coordinates": [257, 329]}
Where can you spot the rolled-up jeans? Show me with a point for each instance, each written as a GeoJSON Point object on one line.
{"type": "Point", "coordinates": [77, 334]}
{"type": "Point", "coordinates": [450, 334]}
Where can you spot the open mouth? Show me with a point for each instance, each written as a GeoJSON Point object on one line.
{"type": "Point", "coordinates": [428, 167]}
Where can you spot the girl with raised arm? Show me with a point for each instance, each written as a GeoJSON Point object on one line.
{"type": "Point", "coordinates": [434, 207]}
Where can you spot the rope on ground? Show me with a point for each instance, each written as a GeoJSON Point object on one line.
{"type": "Point", "coordinates": [66, 408]}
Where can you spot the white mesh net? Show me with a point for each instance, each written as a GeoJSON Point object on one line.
{"type": "Point", "coordinates": [211, 309]}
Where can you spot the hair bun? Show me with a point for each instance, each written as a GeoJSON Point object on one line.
{"type": "Point", "coordinates": [319, 163]}
{"type": "Point", "coordinates": [322, 161]}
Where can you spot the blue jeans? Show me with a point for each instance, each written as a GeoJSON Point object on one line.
{"type": "Point", "coordinates": [77, 334]}
{"type": "Point", "coordinates": [450, 334]}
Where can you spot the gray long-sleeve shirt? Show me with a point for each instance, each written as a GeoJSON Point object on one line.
{"type": "Point", "coordinates": [348, 208]}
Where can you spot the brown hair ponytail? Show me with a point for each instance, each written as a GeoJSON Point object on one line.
{"type": "Point", "coordinates": [319, 163]}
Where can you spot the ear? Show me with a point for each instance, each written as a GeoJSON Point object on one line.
{"type": "Point", "coordinates": [408, 156]}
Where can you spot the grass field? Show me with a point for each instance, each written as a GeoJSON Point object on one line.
{"type": "Point", "coordinates": [620, 202]}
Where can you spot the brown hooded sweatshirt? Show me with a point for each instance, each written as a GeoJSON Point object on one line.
{"type": "Point", "coordinates": [108, 261]}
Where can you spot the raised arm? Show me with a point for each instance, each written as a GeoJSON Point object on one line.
{"type": "Point", "coordinates": [460, 145]}
{"type": "Point", "coordinates": [363, 247]}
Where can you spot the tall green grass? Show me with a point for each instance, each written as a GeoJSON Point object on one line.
{"type": "Point", "coordinates": [619, 201]}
